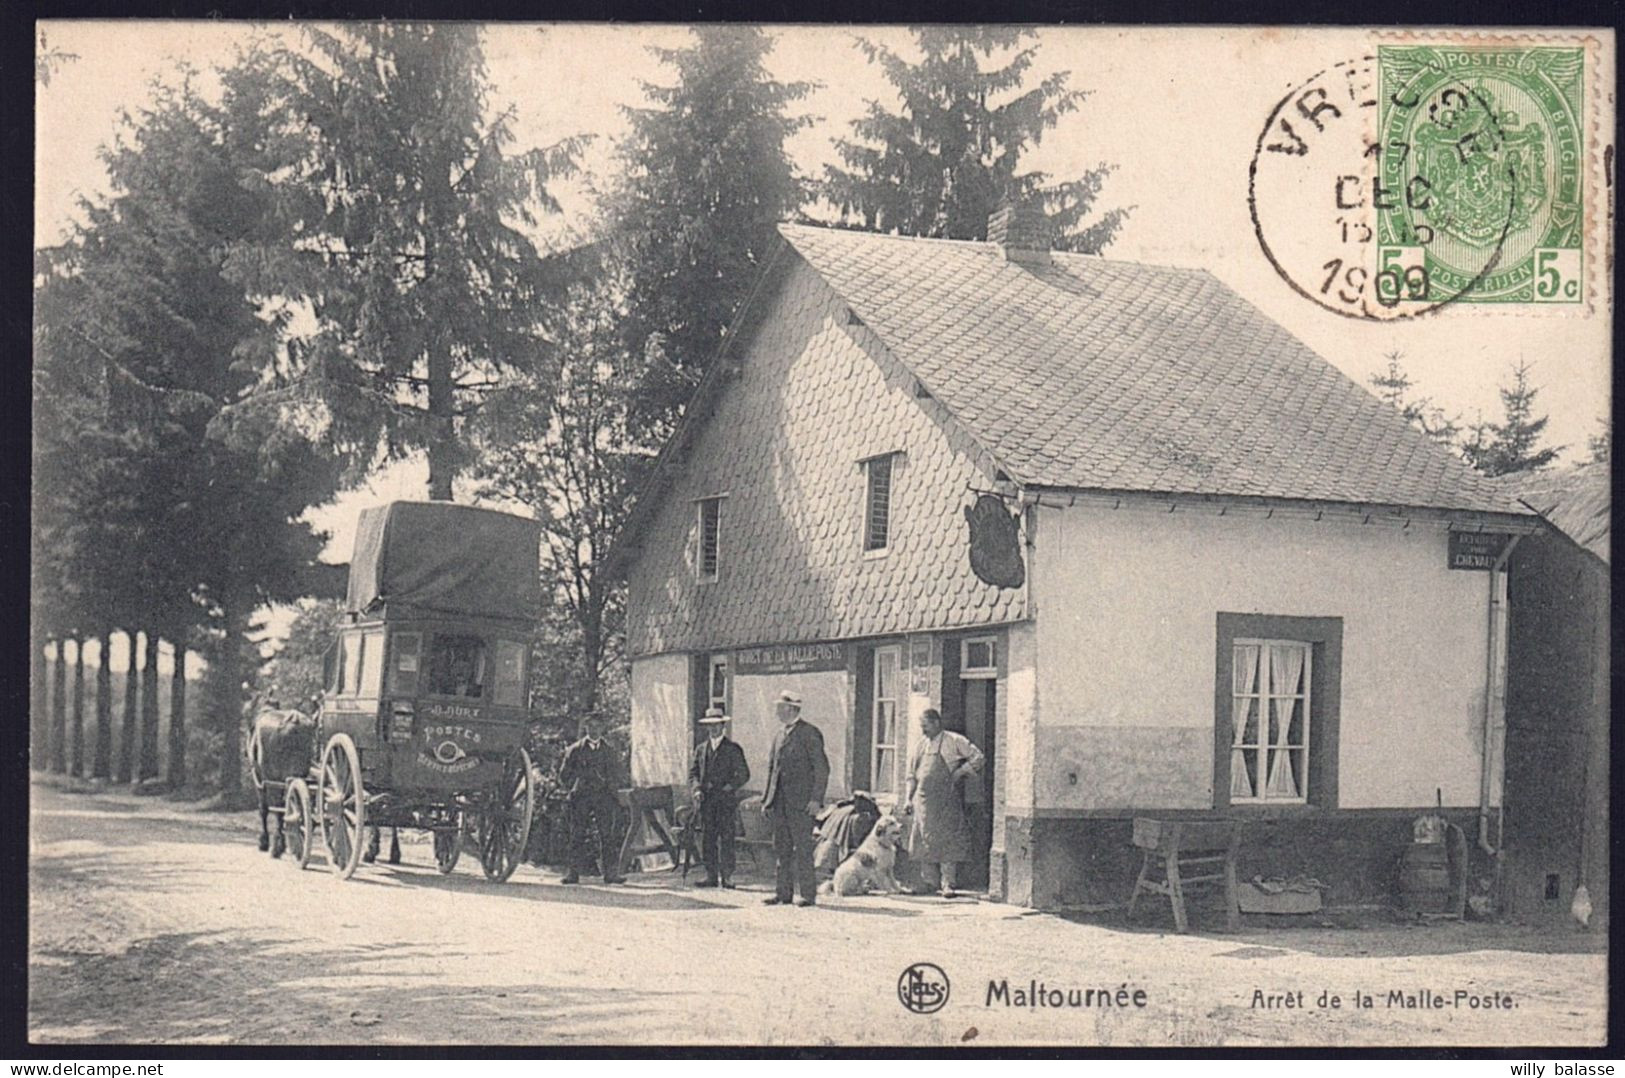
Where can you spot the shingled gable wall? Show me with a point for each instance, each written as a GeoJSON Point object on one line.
{"type": "Point", "coordinates": [816, 394]}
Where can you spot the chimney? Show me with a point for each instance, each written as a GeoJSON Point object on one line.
{"type": "Point", "coordinates": [1021, 230]}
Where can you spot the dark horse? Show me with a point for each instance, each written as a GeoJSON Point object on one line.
{"type": "Point", "coordinates": [375, 838]}
{"type": "Point", "coordinates": [279, 748]}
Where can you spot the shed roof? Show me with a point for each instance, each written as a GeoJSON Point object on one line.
{"type": "Point", "coordinates": [1576, 501]}
{"type": "Point", "coordinates": [1088, 373]}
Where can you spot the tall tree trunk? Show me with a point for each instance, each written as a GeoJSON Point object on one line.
{"type": "Point", "coordinates": [129, 730]}
{"type": "Point", "coordinates": [149, 709]}
{"type": "Point", "coordinates": [39, 713]}
{"type": "Point", "coordinates": [101, 763]}
{"type": "Point", "coordinates": [177, 719]}
{"type": "Point", "coordinates": [78, 731]}
{"type": "Point", "coordinates": [59, 709]}
{"type": "Point", "coordinates": [224, 693]}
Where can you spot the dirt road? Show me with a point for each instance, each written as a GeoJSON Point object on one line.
{"type": "Point", "coordinates": [156, 923]}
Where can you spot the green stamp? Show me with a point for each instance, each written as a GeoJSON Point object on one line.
{"type": "Point", "coordinates": [1482, 156]}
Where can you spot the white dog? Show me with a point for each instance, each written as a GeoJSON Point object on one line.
{"type": "Point", "coordinates": [870, 866]}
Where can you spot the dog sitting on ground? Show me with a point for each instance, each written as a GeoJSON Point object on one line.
{"type": "Point", "coordinates": [871, 866]}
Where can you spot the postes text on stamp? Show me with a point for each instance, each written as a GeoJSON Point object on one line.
{"type": "Point", "coordinates": [1487, 145]}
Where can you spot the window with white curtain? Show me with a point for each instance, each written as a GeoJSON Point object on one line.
{"type": "Point", "coordinates": [1270, 707]}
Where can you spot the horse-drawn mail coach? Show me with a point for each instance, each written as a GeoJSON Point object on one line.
{"type": "Point", "coordinates": [423, 722]}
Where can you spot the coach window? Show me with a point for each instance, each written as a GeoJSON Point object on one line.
{"type": "Point", "coordinates": [403, 675]}
{"type": "Point", "coordinates": [350, 664]}
{"type": "Point", "coordinates": [457, 665]}
{"type": "Point", "coordinates": [508, 689]}
{"type": "Point", "coordinates": [372, 664]}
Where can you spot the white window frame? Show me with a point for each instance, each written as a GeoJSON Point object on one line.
{"type": "Point", "coordinates": [967, 672]}
{"type": "Point", "coordinates": [1265, 698]}
{"type": "Point", "coordinates": [699, 537]}
{"type": "Point", "coordinates": [876, 746]}
{"type": "Point", "coordinates": [870, 549]}
{"type": "Point", "coordinates": [717, 662]}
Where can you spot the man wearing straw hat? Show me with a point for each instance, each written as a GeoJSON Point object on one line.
{"type": "Point", "coordinates": [715, 776]}
{"type": "Point", "coordinates": [797, 773]}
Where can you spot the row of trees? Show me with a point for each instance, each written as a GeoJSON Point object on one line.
{"type": "Point", "coordinates": [1512, 445]}
{"type": "Point", "coordinates": [329, 264]}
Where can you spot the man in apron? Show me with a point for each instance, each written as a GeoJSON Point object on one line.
{"type": "Point", "coordinates": [940, 835]}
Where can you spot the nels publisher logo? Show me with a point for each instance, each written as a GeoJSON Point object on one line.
{"type": "Point", "coordinates": [923, 988]}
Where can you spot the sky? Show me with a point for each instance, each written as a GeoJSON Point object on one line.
{"type": "Point", "coordinates": [1177, 111]}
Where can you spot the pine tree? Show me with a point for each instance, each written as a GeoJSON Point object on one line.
{"type": "Point", "coordinates": [706, 182]}
{"type": "Point", "coordinates": [1394, 387]}
{"type": "Point", "coordinates": [398, 229]}
{"type": "Point", "coordinates": [1601, 444]}
{"type": "Point", "coordinates": [942, 165]}
{"type": "Point", "coordinates": [1513, 445]}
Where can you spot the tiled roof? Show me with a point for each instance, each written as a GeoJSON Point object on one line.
{"type": "Point", "coordinates": [1089, 373]}
{"type": "Point", "coordinates": [1576, 501]}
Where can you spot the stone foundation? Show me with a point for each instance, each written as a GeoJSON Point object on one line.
{"type": "Point", "coordinates": [1047, 863]}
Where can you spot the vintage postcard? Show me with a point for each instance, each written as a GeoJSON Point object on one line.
{"type": "Point", "coordinates": [760, 535]}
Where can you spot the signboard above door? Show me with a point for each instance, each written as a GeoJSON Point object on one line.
{"type": "Point", "coordinates": [789, 659]}
{"type": "Point", "coordinates": [1476, 550]}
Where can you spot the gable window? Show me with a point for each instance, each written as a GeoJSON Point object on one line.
{"type": "Point", "coordinates": [1275, 739]}
{"type": "Point", "coordinates": [877, 502]}
{"type": "Point", "coordinates": [710, 531]}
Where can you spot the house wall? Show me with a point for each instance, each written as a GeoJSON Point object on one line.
{"type": "Point", "coordinates": [1557, 757]}
{"type": "Point", "coordinates": [660, 720]}
{"type": "Point", "coordinates": [815, 395]}
{"type": "Point", "coordinates": [1127, 601]}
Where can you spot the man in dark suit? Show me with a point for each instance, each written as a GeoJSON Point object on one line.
{"type": "Point", "coordinates": [591, 773]}
{"type": "Point", "coordinates": [797, 772]}
{"type": "Point", "coordinates": [715, 776]}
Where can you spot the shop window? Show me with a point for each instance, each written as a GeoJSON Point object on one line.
{"type": "Point", "coordinates": [509, 687]}
{"type": "Point", "coordinates": [456, 665]}
{"type": "Point", "coordinates": [1276, 735]}
{"type": "Point", "coordinates": [877, 503]}
{"type": "Point", "coordinates": [710, 530]}
{"type": "Point", "coordinates": [885, 719]}
{"type": "Point", "coordinates": [403, 677]}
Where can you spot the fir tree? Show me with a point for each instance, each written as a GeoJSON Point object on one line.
{"type": "Point", "coordinates": [400, 211]}
{"type": "Point", "coordinates": [1394, 387]}
{"type": "Point", "coordinates": [942, 165]}
{"type": "Point", "coordinates": [1512, 445]}
{"type": "Point", "coordinates": [706, 182]}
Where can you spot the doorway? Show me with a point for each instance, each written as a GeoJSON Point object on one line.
{"type": "Point", "coordinates": [976, 716]}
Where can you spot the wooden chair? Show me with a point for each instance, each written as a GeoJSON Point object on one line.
{"type": "Point", "coordinates": [1177, 845]}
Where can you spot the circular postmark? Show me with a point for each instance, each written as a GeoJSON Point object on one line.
{"type": "Point", "coordinates": [923, 988]}
{"type": "Point", "coordinates": [1389, 186]}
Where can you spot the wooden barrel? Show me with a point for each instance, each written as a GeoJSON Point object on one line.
{"type": "Point", "coordinates": [1424, 877]}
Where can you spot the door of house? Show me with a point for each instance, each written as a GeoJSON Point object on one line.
{"type": "Point", "coordinates": [978, 705]}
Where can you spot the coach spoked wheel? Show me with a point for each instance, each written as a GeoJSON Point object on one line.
{"type": "Point", "coordinates": [344, 806]}
{"type": "Point", "coordinates": [506, 827]}
{"type": "Point", "coordinates": [448, 847]}
{"type": "Point", "coordinates": [296, 822]}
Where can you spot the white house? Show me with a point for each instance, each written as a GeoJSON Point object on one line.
{"type": "Point", "coordinates": [1237, 590]}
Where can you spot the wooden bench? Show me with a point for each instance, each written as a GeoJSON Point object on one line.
{"type": "Point", "coordinates": [655, 807]}
{"type": "Point", "coordinates": [1173, 846]}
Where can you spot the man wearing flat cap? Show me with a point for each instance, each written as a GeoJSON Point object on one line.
{"type": "Point", "coordinates": [715, 776]}
{"type": "Point", "coordinates": [797, 773]}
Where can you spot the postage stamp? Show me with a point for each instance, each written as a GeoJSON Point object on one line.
{"type": "Point", "coordinates": [1487, 145]}
{"type": "Point", "coordinates": [1433, 172]}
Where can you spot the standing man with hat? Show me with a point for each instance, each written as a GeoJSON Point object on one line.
{"type": "Point", "coordinates": [715, 776]}
{"type": "Point", "coordinates": [797, 773]}
{"type": "Point", "coordinates": [591, 774]}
